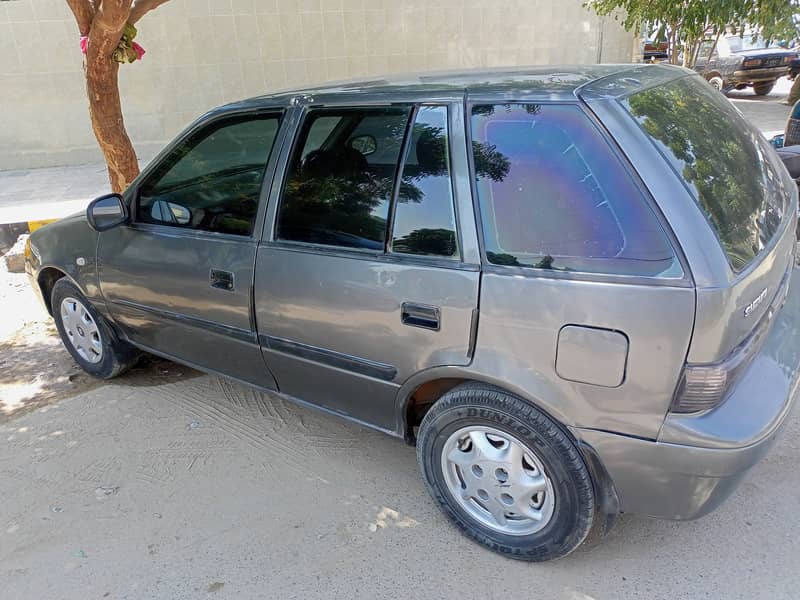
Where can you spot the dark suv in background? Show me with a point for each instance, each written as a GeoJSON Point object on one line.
{"type": "Point", "coordinates": [739, 62]}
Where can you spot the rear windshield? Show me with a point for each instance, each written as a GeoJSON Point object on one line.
{"type": "Point", "coordinates": [730, 169]}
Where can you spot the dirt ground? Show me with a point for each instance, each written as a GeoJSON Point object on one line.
{"type": "Point", "coordinates": [35, 371]}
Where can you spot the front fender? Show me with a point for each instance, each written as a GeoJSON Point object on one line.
{"type": "Point", "coordinates": [68, 247]}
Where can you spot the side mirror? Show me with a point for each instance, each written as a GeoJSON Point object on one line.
{"type": "Point", "coordinates": [106, 212]}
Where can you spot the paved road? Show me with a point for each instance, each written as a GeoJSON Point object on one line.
{"type": "Point", "coordinates": [765, 112]}
{"type": "Point", "coordinates": [52, 193]}
{"type": "Point", "coordinates": [170, 484]}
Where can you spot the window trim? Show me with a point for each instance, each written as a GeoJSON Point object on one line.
{"type": "Point", "coordinates": [386, 255]}
{"type": "Point", "coordinates": [131, 195]}
{"type": "Point", "coordinates": [684, 280]}
{"type": "Point", "coordinates": [398, 178]}
{"type": "Point", "coordinates": [421, 260]}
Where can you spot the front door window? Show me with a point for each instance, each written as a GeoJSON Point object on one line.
{"type": "Point", "coordinates": [211, 180]}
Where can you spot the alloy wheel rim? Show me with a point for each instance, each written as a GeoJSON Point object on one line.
{"type": "Point", "coordinates": [81, 330]}
{"type": "Point", "coordinates": [497, 480]}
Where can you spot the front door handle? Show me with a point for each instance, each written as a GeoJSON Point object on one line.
{"type": "Point", "coordinates": [420, 315]}
{"type": "Point", "coordinates": [222, 280]}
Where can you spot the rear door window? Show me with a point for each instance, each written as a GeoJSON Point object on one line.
{"type": "Point", "coordinates": [424, 219]}
{"type": "Point", "coordinates": [553, 195]}
{"type": "Point", "coordinates": [341, 177]}
{"type": "Point", "coordinates": [727, 165]}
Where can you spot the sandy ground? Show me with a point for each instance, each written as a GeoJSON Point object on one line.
{"type": "Point", "coordinates": [35, 370]}
{"type": "Point", "coordinates": [167, 483]}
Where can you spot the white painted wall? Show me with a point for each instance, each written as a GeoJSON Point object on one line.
{"type": "Point", "coordinates": [202, 53]}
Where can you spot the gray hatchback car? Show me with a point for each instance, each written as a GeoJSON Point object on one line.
{"type": "Point", "coordinates": [570, 287]}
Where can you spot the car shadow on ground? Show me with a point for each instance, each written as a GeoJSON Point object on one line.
{"type": "Point", "coordinates": [36, 370]}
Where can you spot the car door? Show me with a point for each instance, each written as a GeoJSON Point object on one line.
{"type": "Point", "coordinates": [178, 278]}
{"type": "Point", "coordinates": [364, 278]}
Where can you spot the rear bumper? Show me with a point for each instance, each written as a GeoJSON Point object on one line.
{"type": "Point", "coordinates": [670, 481]}
{"type": "Point", "coordinates": [698, 460]}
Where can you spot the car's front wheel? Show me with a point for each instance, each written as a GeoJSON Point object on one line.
{"type": "Point", "coordinates": [717, 83]}
{"type": "Point", "coordinates": [87, 336]}
{"type": "Point", "coordinates": [763, 88]}
{"type": "Point", "coordinates": [506, 474]}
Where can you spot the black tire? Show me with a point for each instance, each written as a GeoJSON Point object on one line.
{"type": "Point", "coordinates": [483, 405]}
{"type": "Point", "coordinates": [116, 356]}
{"type": "Point", "coordinates": [763, 88]}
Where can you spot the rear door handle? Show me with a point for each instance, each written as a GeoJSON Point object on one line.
{"type": "Point", "coordinates": [222, 280]}
{"type": "Point", "coordinates": [420, 315]}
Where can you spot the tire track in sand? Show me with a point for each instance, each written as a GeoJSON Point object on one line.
{"type": "Point", "coordinates": [237, 426]}
{"type": "Point", "coordinates": [286, 423]}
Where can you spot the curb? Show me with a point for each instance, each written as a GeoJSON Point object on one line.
{"type": "Point", "coordinates": [34, 225]}
{"type": "Point", "coordinates": [9, 232]}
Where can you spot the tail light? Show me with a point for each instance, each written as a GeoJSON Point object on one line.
{"type": "Point", "coordinates": [704, 386]}
{"type": "Point", "coordinates": [752, 62]}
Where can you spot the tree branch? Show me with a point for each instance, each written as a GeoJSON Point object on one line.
{"type": "Point", "coordinates": [142, 7]}
{"type": "Point", "coordinates": [107, 26]}
{"type": "Point", "coordinates": [84, 14]}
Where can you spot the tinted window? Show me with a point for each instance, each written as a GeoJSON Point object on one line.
{"type": "Point", "coordinates": [705, 49]}
{"type": "Point", "coordinates": [730, 169]}
{"type": "Point", "coordinates": [748, 42]}
{"type": "Point", "coordinates": [341, 175]}
{"type": "Point", "coordinates": [212, 179]}
{"type": "Point", "coordinates": [554, 196]}
{"type": "Point", "coordinates": [424, 222]}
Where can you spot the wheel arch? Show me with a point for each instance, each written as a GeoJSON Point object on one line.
{"type": "Point", "coordinates": [46, 279]}
{"type": "Point", "coordinates": [420, 391]}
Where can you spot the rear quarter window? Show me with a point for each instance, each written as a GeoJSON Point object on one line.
{"type": "Point", "coordinates": [727, 165]}
{"type": "Point", "coordinates": [554, 195]}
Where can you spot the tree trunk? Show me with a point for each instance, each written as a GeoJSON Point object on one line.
{"type": "Point", "coordinates": [105, 110]}
{"type": "Point", "coordinates": [673, 45]}
{"type": "Point", "coordinates": [102, 88]}
{"type": "Point", "coordinates": [715, 44]}
{"type": "Point", "coordinates": [688, 50]}
{"type": "Point", "coordinates": [103, 23]}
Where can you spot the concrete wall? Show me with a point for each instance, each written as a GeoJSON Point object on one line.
{"type": "Point", "coordinates": [201, 53]}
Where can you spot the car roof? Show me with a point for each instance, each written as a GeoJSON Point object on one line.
{"type": "Point", "coordinates": [538, 82]}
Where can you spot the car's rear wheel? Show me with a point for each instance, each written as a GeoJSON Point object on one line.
{"type": "Point", "coordinates": [763, 88]}
{"type": "Point", "coordinates": [86, 334]}
{"type": "Point", "coordinates": [506, 474]}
